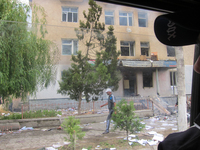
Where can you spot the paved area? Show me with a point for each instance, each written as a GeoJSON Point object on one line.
{"type": "Point", "coordinates": [39, 138]}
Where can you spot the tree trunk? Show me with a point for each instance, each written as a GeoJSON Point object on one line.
{"type": "Point", "coordinates": [79, 103]}
{"type": "Point", "coordinates": [182, 116]}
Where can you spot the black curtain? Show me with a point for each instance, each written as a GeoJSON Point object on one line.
{"type": "Point", "coordinates": [195, 97]}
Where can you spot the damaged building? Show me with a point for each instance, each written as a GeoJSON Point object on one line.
{"type": "Point", "coordinates": [147, 67]}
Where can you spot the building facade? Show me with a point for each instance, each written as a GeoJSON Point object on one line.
{"type": "Point", "coordinates": [147, 66]}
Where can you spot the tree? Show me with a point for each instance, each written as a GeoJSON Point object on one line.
{"type": "Point", "coordinates": [26, 58]}
{"type": "Point", "coordinates": [83, 80]}
{"type": "Point", "coordinates": [90, 32]}
{"type": "Point", "coordinates": [73, 129]}
{"type": "Point", "coordinates": [125, 118]}
{"type": "Point", "coordinates": [109, 58]}
{"type": "Point", "coordinates": [182, 116]}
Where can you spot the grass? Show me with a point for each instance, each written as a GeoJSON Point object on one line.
{"type": "Point", "coordinates": [32, 114]}
{"type": "Point", "coordinates": [106, 144]}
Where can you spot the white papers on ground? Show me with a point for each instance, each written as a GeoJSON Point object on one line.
{"type": "Point", "coordinates": [155, 140]}
{"type": "Point", "coordinates": [148, 127]}
{"type": "Point", "coordinates": [50, 148]}
{"type": "Point", "coordinates": [26, 128]}
{"type": "Point", "coordinates": [158, 137]}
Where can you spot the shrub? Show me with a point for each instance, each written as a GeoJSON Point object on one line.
{"type": "Point", "coordinates": [124, 117]}
{"type": "Point", "coordinates": [73, 129]}
{"type": "Point", "coordinates": [32, 114]}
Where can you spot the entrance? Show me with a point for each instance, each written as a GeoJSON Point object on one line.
{"type": "Point", "coordinates": [130, 88]}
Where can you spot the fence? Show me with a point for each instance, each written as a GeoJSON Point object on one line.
{"type": "Point", "coordinates": [140, 103]}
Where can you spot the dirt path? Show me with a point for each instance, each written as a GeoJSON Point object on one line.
{"type": "Point", "coordinates": [43, 137]}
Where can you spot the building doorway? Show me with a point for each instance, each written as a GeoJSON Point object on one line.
{"type": "Point", "coordinates": [130, 87]}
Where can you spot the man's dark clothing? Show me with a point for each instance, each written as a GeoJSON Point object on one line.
{"type": "Point", "coordinates": [111, 101]}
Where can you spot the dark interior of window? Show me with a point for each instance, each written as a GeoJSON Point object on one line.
{"type": "Point", "coordinates": [147, 79]}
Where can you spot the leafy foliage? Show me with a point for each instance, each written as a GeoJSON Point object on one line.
{"type": "Point", "coordinates": [73, 129]}
{"type": "Point", "coordinates": [90, 32]}
{"type": "Point", "coordinates": [32, 114]}
{"type": "Point", "coordinates": [109, 58]}
{"type": "Point", "coordinates": [26, 58]}
{"type": "Point", "coordinates": [125, 118]}
{"type": "Point", "coordinates": [83, 79]}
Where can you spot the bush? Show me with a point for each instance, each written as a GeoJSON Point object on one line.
{"type": "Point", "coordinates": [32, 114]}
{"type": "Point", "coordinates": [124, 117]}
{"type": "Point", "coordinates": [73, 129]}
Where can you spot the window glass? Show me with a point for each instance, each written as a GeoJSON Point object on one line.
{"type": "Point", "coordinates": [65, 9]}
{"type": "Point", "coordinates": [123, 21]}
{"type": "Point", "coordinates": [123, 14]}
{"type": "Point", "coordinates": [75, 17]}
{"type": "Point", "coordinates": [170, 51]}
{"type": "Point", "coordinates": [124, 51]}
{"type": "Point", "coordinates": [127, 48]}
{"type": "Point", "coordinates": [69, 17]}
{"type": "Point", "coordinates": [147, 79]}
{"type": "Point", "coordinates": [75, 47]}
{"type": "Point", "coordinates": [66, 50]}
{"type": "Point", "coordinates": [66, 41]}
{"type": "Point", "coordinates": [124, 43]}
{"type": "Point", "coordinates": [109, 13]}
{"type": "Point", "coordinates": [69, 47]}
{"type": "Point", "coordinates": [144, 48]}
{"type": "Point", "coordinates": [130, 21]}
{"type": "Point", "coordinates": [64, 17]}
{"type": "Point", "coordinates": [144, 44]}
{"type": "Point", "coordinates": [173, 78]}
{"type": "Point", "coordinates": [109, 17]}
{"type": "Point", "coordinates": [74, 10]}
{"type": "Point", "coordinates": [70, 14]}
{"type": "Point", "coordinates": [142, 19]}
{"type": "Point", "coordinates": [141, 15]}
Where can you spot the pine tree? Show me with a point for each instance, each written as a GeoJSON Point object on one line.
{"type": "Point", "coordinates": [109, 58]}
{"type": "Point", "coordinates": [124, 117]}
{"type": "Point", "coordinates": [90, 32]}
{"type": "Point", "coordinates": [83, 79]}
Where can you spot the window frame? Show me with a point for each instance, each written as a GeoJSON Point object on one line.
{"type": "Point", "coordinates": [66, 13]}
{"type": "Point", "coordinates": [147, 75]}
{"type": "Point", "coordinates": [170, 48]}
{"type": "Point", "coordinates": [127, 17]}
{"type": "Point", "coordinates": [129, 46]}
{"type": "Point", "coordinates": [112, 16]}
{"type": "Point", "coordinates": [145, 47]}
{"type": "Point", "coordinates": [72, 46]}
{"type": "Point", "coordinates": [142, 18]}
{"type": "Point", "coordinates": [173, 75]}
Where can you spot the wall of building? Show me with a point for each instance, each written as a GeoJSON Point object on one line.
{"type": "Point", "coordinates": [164, 82]}
{"type": "Point", "coordinates": [58, 30]}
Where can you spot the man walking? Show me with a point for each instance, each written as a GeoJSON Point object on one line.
{"type": "Point", "coordinates": [111, 104]}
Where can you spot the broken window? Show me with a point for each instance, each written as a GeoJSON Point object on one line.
{"type": "Point", "coordinates": [173, 78]}
{"type": "Point", "coordinates": [127, 48]}
{"type": "Point", "coordinates": [142, 19]}
{"type": "Point", "coordinates": [147, 79]}
{"type": "Point", "coordinates": [144, 48]}
{"type": "Point", "coordinates": [170, 51]}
